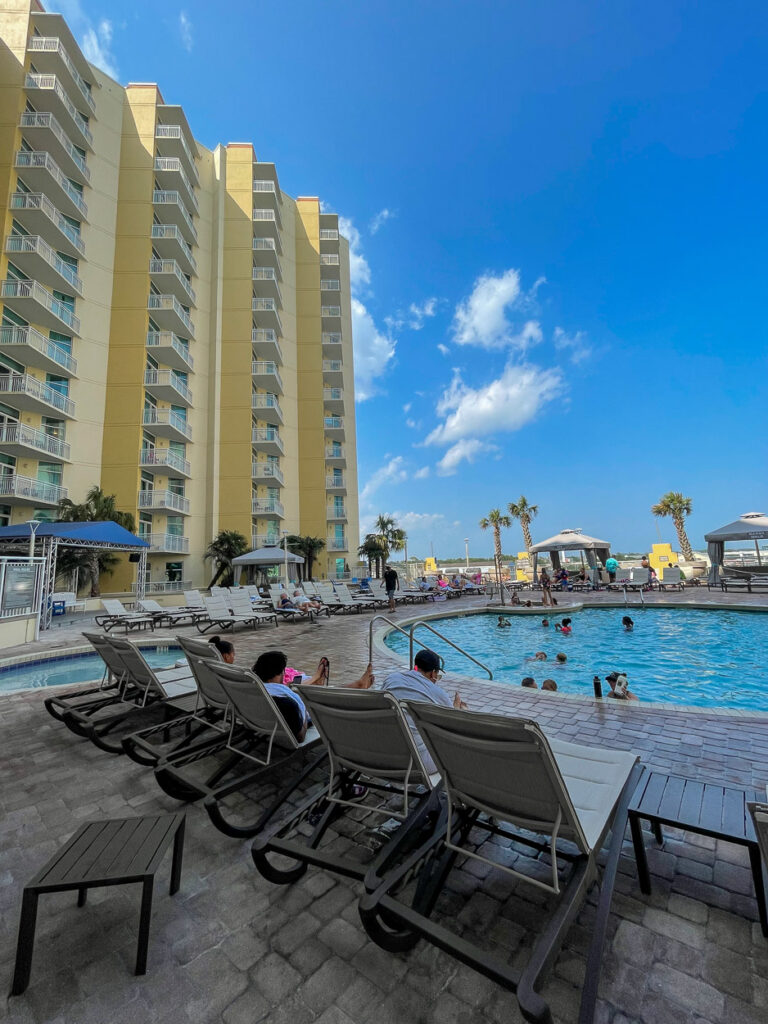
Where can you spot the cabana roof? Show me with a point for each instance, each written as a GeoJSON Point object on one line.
{"type": "Point", "coordinates": [268, 556]}
{"type": "Point", "coordinates": [749, 526]}
{"type": "Point", "coordinates": [82, 535]}
{"type": "Point", "coordinates": [570, 540]}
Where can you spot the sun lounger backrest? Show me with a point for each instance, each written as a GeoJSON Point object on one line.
{"type": "Point", "coordinates": [240, 602]}
{"type": "Point", "coordinates": [639, 575]}
{"type": "Point", "coordinates": [671, 574]}
{"type": "Point", "coordinates": [503, 766]}
{"type": "Point", "coordinates": [217, 609]}
{"type": "Point", "coordinates": [192, 599]}
{"type": "Point", "coordinates": [252, 703]}
{"type": "Point", "coordinates": [103, 647]}
{"type": "Point", "coordinates": [253, 593]}
{"type": "Point", "coordinates": [200, 654]}
{"type": "Point", "coordinates": [138, 669]}
{"type": "Point", "coordinates": [113, 607]}
{"type": "Point", "coordinates": [327, 593]}
{"type": "Point", "coordinates": [365, 730]}
{"type": "Point", "coordinates": [622, 576]}
{"type": "Point", "coordinates": [150, 606]}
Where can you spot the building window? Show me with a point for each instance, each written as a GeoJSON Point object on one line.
{"type": "Point", "coordinates": [175, 526]}
{"type": "Point", "coordinates": [49, 473]}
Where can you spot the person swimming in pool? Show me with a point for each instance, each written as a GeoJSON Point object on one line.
{"type": "Point", "coordinates": [530, 683]}
{"type": "Point", "coordinates": [503, 623]}
{"type": "Point", "coordinates": [561, 658]}
{"type": "Point", "coordinates": [538, 656]}
{"type": "Point", "coordinates": [564, 627]}
{"type": "Point", "coordinates": [628, 624]}
{"type": "Point", "coordinates": [545, 623]}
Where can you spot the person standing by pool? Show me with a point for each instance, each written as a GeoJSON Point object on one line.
{"type": "Point", "coordinates": [391, 584]}
{"type": "Point", "coordinates": [611, 565]}
{"type": "Point", "coordinates": [546, 587]}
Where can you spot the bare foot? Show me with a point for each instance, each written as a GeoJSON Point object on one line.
{"type": "Point", "coordinates": [320, 678]}
{"type": "Point", "coordinates": [366, 680]}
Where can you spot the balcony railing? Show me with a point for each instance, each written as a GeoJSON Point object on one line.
{"type": "Point", "coordinates": [39, 159]}
{"type": "Point", "coordinates": [38, 201]}
{"type": "Point", "coordinates": [266, 402]}
{"type": "Point", "coordinates": [19, 434]}
{"type": "Point", "coordinates": [167, 542]}
{"type": "Point", "coordinates": [29, 337]}
{"type": "Point", "coordinates": [267, 471]}
{"type": "Point", "coordinates": [265, 540]}
{"type": "Point", "coordinates": [329, 259]}
{"type": "Point", "coordinates": [166, 302]}
{"type": "Point", "coordinates": [44, 119]}
{"type": "Point", "coordinates": [266, 368]}
{"type": "Point", "coordinates": [163, 339]}
{"type": "Point", "coordinates": [264, 274]}
{"type": "Point", "coordinates": [12, 289]}
{"type": "Point", "coordinates": [335, 481]}
{"type": "Point", "coordinates": [20, 245]}
{"type": "Point", "coordinates": [264, 334]}
{"type": "Point", "coordinates": [165, 458]}
{"type": "Point", "coordinates": [173, 131]}
{"type": "Point", "coordinates": [329, 235]}
{"type": "Point", "coordinates": [14, 486]}
{"type": "Point", "coordinates": [328, 284]}
{"type": "Point", "coordinates": [267, 507]}
{"type": "Point", "coordinates": [264, 306]}
{"type": "Point", "coordinates": [170, 197]}
{"type": "Point", "coordinates": [333, 394]}
{"type": "Point", "coordinates": [172, 267]}
{"type": "Point", "coordinates": [164, 586]}
{"type": "Point", "coordinates": [260, 185]}
{"type": "Point", "coordinates": [336, 512]}
{"type": "Point", "coordinates": [173, 164]}
{"type": "Point", "coordinates": [267, 435]}
{"type": "Point", "coordinates": [167, 417]}
{"type": "Point", "coordinates": [160, 231]}
{"type": "Point", "coordinates": [52, 44]}
{"type": "Point", "coordinates": [51, 83]}
{"type": "Point", "coordinates": [333, 366]}
{"type": "Point", "coordinates": [333, 423]}
{"type": "Point", "coordinates": [265, 243]}
{"type": "Point", "coordinates": [336, 544]}
{"type": "Point", "coordinates": [330, 311]}
{"type": "Point", "coordinates": [25, 384]}
{"type": "Point", "coordinates": [331, 337]}
{"type": "Point", "coordinates": [334, 453]}
{"type": "Point", "coordinates": [259, 214]}
{"type": "Point", "coordinates": [167, 378]}
{"type": "Point", "coordinates": [163, 499]}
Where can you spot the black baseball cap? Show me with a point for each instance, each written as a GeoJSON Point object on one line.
{"type": "Point", "coordinates": [427, 661]}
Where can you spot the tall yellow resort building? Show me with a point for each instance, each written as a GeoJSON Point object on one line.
{"type": "Point", "coordinates": [175, 328]}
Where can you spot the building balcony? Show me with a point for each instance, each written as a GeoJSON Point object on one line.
{"type": "Point", "coordinates": [168, 276]}
{"type": "Point", "coordinates": [267, 194]}
{"type": "Point", "coordinates": [336, 513]}
{"type": "Point", "coordinates": [265, 254]}
{"type": "Point", "coordinates": [170, 244]}
{"type": "Point", "coordinates": [32, 302]}
{"type": "Point", "coordinates": [265, 284]}
{"type": "Point", "coordinates": [335, 455]}
{"type": "Point", "coordinates": [48, 93]}
{"type": "Point", "coordinates": [337, 544]}
{"type": "Point", "coordinates": [267, 507]}
{"type": "Point", "coordinates": [329, 235]}
{"type": "Point", "coordinates": [39, 216]}
{"type": "Point", "coordinates": [331, 316]}
{"type": "Point", "coordinates": [266, 345]}
{"type": "Point", "coordinates": [51, 58]}
{"type": "Point", "coordinates": [329, 259]}
{"type": "Point", "coordinates": [267, 440]}
{"type": "Point", "coordinates": [170, 543]}
{"type": "Point", "coordinates": [330, 284]}
{"type": "Point", "coordinates": [334, 427]}
{"type": "Point", "coordinates": [267, 408]}
{"type": "Point", "coordinates": [170, 209]}
{"type": "Point", "coordinates": [26, 442]}
{"type": "Point", "coordinates": [40, 262]}
{"type": "Point", "coordinates": [165, 459]}
{"type": "Point", "coordinates": [333, 372]}
{"type": "Point", "coordinates": [164, 586]}
{"type": "Point", "coordinates": [331, 343]}
{"type": "Point", "coordinates": [170, 174]}
{"type": "Point", "coordinates": [167, 386]}
{"type": "Point", "coordinates": [265, 540]}
{"type": "Point", "coordinates": [168, 349]}
{"type": "Point", "coordinates": [153, 499]}
{"type": "Point", "coordinates": [170, 141]}
{"type": "Point", "coordinates": [266, 375]}
{"type": "Point", "coordinates": [41, 173]}
{"type": "Point", "coordinates": [167, 423]}
{"type": "Point", "coordinates": [23, 490]}
{"type": "Point", "coordinates": [168, 313]}
{"type": "Point", "coordinates": [30, 347]}
{"type": "Point", "coordinates": [336, 484]}
{"type": "Point", "coordinates": [266, 224]}
{"type": "Point", "coordinates": [23, 391]}
{"type": "Point", "coordinates": [43, 131]}
{"type": "Point", "coordinates": [268, 472]}
{"type": "Point", "coordinates": [333, 399]}
{"type": "Point", "coordinates": [266, 314]}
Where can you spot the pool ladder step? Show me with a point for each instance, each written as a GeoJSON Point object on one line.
{"type": "Point", "coordinates": [419, 624]}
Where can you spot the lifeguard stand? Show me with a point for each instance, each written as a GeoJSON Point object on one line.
{"type": "Point", "coordinates": [662, 556]}
{"type": "Point", "coordinates": [524, 569]}
{"type": "Point", "coordinates": [430, 566]}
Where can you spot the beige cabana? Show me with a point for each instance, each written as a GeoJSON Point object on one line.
{"type": "Point", "coordinates": [572, 540]}
{"type": "Point", "coordinates": [749, 526]}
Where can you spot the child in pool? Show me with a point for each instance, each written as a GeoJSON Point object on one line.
{"type": "Point", "coordinates": [628, 624]}
{"type": "Point", "coordinates": [503, 623]}
{"type": "Point", "coordinates": [564, 627]}
{"type": "Point", "coordinates": [530, 683]}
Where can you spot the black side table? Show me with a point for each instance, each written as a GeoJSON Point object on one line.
{"type": "Point", "coordinates": [112, 852]}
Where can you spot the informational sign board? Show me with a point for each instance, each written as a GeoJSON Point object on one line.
{"type": "Point", "coordinates": [19, 587]}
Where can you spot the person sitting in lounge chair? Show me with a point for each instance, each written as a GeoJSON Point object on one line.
{"type": "Point", "coordinates": [286, 604]}
{"type": "Point", "coordinates": [225, 649]}
{"type": "Point", "coordinates": [301, 600]}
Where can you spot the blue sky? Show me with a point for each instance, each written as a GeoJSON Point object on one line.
{"type": "Point", "coordinates": [558, 221]}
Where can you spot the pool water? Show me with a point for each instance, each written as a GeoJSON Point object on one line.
{"type": "Point", "coordinates": [674, 655]}
{"type": "Point", "coordinates": [79, 668]}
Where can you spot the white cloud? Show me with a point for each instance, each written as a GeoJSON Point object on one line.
{"type": "Point", "coordinates": [95, 39]}
{"type": "Point", "coordinates": [380, 220]}
{"type": "Point", "coordinates": [506, 404]}
{"type": "Point", "coordinates": [373, 351]}
{"type": "Point", "coordinates": [418, 313]}
{"type": "Point", "coordinates": [466, 450]}
{"type": "Point", "coordinates": [392, 472]}
{"type": "Point", "coordinates": [359, 271]}
{"type": "Point", "coordinates": [575, 343]}
{"type": "Point", "coordinates": [422, 474]}
{"type": "Point", "coordinates": [407, 407]}
{"type": "Point", "coordinates": [418, 520]}
{"type": "Point", "coordinates": [185, 29]}
{"type": "Point", "coordinates": [482, 319]}
{"type": "Point", "coordinates": [443, 349]}
{"type": "Point", "coordinates": [413, 424]}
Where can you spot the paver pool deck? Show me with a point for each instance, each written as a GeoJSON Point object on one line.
{"type": "Point", "coordinates": [232, 947]}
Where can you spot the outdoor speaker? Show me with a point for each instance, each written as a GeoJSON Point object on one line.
{"type": "Point", "coordinates": [134, 556]}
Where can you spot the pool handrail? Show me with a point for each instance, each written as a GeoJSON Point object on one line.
{"type": "Point", "coordinates": [426, 625]}
{"type": "Point", "coordinates": [394, 626]}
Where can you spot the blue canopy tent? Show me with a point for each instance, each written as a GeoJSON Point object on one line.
{"type": "Point", "coordinates": [46, 538]}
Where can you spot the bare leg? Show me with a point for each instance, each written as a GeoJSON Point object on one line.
{"type": "Point", "coordinates": [365, 681]}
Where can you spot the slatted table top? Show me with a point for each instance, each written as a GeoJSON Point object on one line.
{"type": "Point", "coordinates": [109, 852]}
{"type": "Point", "coordinates": [707, 808]}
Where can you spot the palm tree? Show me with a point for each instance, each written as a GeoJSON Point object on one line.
{"type": "Point", "coordinates": [226, 545]}
{"type": "Point", "coordinates": [373, 551]}
{"type": "Point", "coordinates": [98, 507]}
{"type": "Point", "coordinates": [677, 506]}
{"type": "Point", "coordinates": [309, 548]}
{"type": "Point", "coordinates": [391, 536]}
{"type": "Point", "coordinates": [521, 510]}
{"type": "Point", "coordinates": [496, 520]}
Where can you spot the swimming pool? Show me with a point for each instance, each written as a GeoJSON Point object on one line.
{"type": "Point", "coordinates": [674, 655]}
{"type": "Point", "coordinates": [72, 669]}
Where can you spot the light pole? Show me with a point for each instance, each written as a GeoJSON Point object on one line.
{"type": "Point", "coordinates": [33, 525]}
{"type": "Point", "coordinates": [466, 551]}
{"type": "Point", "coordinates": [285, 556]}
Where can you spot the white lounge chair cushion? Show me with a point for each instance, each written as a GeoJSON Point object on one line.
{"type": "Point", "coordinates": [179, 687]}
{"type": "Point", "coordinates": [594, 779]}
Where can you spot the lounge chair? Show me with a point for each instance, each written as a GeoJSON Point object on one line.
{"type": "Point", "coordinates": [117, 615]}
{"type": "Point", "coordinates": [173, 616]}
{"type": "Point", "coordinates": [750, 584]}
{"type": "Point", "coordinates": [671, 578]}
{"type": "Point", "coordinates": [220, 617]}
{"type": "Point", "coordinates": [192, 599]}
{"type": "Point", "coordinates": [345, 595]}
{"type": "Point", "coordinates": [292, 614]}
{"type": "Point", "coordinates": [639, 578]}
{"type": "Point", "coordinates": [258, 736]}
{"type": "Point", "coordinates": [241, 605]}
{"type": "Point", "coordinates": [336, 602]}
{"type": "Point", "coordinates": [368, 740]}
{"type": "Point", "coordinates": [498, 770]}
{"type": "Point", "coordinates": [622, 579]}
